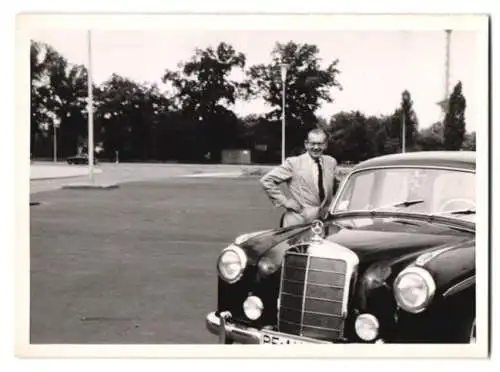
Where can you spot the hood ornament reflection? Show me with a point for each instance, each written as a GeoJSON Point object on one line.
{"type": "Point", "coordinates": [314, 244]}
{"type": "Point", "coordinates": [317, 229]}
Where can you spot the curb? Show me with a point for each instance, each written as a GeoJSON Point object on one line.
{"type": "Point", "coordinates": [56, 177]}
{"type": "Point", "coordinates": [90, 186]}
{"type": "Point", "coordinates": [53, 172]}
{"type": "Point", "coordinates": [213, 174]}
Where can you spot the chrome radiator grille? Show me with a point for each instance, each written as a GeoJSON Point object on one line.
{"type": "Point", "coordinates": [311, 296]}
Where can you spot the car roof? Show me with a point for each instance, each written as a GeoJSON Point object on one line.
{"type": "Point", "coordinates": [445, 159]}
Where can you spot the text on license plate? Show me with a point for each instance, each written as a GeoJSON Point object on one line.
{"type": "Point", "coordinates": [278, 339]}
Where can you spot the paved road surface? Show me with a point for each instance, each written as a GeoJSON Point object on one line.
{"type": "Point", "coordinates": [134, 264]}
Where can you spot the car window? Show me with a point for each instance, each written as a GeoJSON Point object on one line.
{"type": "Point", "coordinates": [396, 184]}
{"type": "Point", "coordinates": [361, 191]}
{"type": "Point", "coordinates": [433, 190]}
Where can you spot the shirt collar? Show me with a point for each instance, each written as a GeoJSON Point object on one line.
{"type": "Point", "coordinates": [314, 161]}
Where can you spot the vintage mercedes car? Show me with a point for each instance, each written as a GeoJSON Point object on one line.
{"type": "Point", "coordinates": [392, 262]}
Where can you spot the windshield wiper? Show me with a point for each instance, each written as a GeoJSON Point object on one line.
{"type": "Point", "coordinates": [405, 204]}
{"type": "Point", "coordinates": [460, 211]}
{"type": "Point", "coordinates": [408, 203]}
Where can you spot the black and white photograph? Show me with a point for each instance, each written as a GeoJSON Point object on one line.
{"type": "Point", "coordinates": [307, 184]}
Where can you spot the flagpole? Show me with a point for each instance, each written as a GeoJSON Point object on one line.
{"type": "Point", "coordinates": [90, 141]}
{"type": "Point", "coordinates": [90, 110]}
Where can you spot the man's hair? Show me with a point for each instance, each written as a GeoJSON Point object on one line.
{"type": "Point", "coordinates": [317, 131]}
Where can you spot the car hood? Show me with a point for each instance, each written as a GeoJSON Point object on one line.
{"type": "Point", "coordinates": [373, 239]}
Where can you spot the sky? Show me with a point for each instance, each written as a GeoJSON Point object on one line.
{"type": "Point", "coordinates": [376, 65]}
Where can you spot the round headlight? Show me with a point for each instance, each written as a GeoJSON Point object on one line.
{"type": "Point", "coordinates": [366, 326]}
{"type": "Point", "coordinates": [253, 307]}
{"type": "Point", "coordinates": [413, 289]}
{"type": "Point", "coordinates": [231, 264]}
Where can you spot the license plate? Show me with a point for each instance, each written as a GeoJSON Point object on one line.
{"type": "Point", "coordinates": [276, 338]}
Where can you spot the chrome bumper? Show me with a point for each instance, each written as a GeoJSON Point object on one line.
{"type": "Point", "coordinates": [229, 332]}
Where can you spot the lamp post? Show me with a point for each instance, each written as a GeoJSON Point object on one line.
{"type": "Point", "coordinates": [90, 109]}
{"type": "Point", "coordinates": [403, 130]}
{"type": "Point", "coordinates": [56, 122]}
{"type": "Point", "coordinates": [284, 68]}
{"type": "Point", "coordinates": [406, 98]}
{"type": "Point", "coordinates": [55, 125]}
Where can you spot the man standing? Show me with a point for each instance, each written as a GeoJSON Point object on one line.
{"type": "Point", "coordinates": [310, 180]}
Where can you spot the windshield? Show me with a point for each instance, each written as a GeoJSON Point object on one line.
{"type": "Point", "coordinates": [416, 190]}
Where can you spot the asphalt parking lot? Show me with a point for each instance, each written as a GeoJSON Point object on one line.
{"type": "Point", "coordinates": [134, 264]}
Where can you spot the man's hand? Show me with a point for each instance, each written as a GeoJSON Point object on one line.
{"type": "Point", "coordinates": [292, 205]}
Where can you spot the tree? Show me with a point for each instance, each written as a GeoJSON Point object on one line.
{"type": "Point", "coordinates": [454, 122]}
{"type": "Point", "coordinates": [410, 120]}
{"type": "Point", "coordinates": [113, 119]}
{"type": "Point", "coordinates": [42, 57]}
{"type": "Point", "coordinates": [431, 138]}
{"type": "Point", "coordinates": [203, 90]}
{"type": "Point", "coordinates": [355, 137]}
{"type": "Point", "coordinates": [59, 98]}
{"type": "Point", "coordinates": [469, 143]}
{"type": "Point", "coordinates": [322, 123]}
{"type": "Point", "coordinates": [131, 119]}
{"type": "Point", "coordinates": [394, 132]}
{"type": "Point", "coordinates": [307, 86]}
{"type": "Point", "coordinates": [376, 131]}
{"type": "Point", "coordinates": [68, 101]}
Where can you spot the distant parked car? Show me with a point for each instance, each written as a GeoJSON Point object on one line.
{"type": "Point", "coordinates": [80, 159]}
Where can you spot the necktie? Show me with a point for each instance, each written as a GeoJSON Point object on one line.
{"type": "Point", "coordinates": [320, 180]}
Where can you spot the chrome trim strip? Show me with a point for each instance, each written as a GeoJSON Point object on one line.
{"type": "Point", "coordinates": [466, 170]}
{"type": "Point", "coordinates": [460, 285]}
{"type": "Point", "coordinates": [319, 284]}
{"type": "Point", "coordinates": [327, 271]}
{"type": "Point", "coordinates": [323, 299]}
{"type": "Point", "coordinates": [424, 258]}
{"type": "Point", "coordinates": [316, 270]}
{"type": "Point", "coordinates": [280, 291]}
{"type": "Point", "coordinates": [315, 327]}
{"type": "Point", "coordinates": [292, 295]}
{"type": "Point", "coordinates": [304, 294]}
{"type": "Point", "coordinates": [312, 312]}
{"type": "Point", "coordinates": [292, 323]}
{"type": "Point", "coordinates": [309, 298]}
{"type": "Point", "coordinates": [335, 316]}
